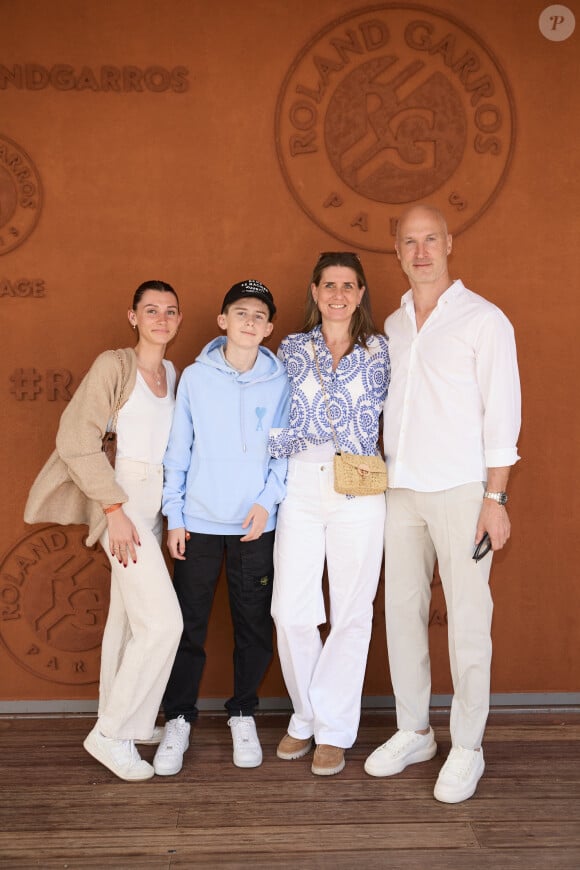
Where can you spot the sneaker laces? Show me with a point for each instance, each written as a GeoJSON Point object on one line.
{"type": "Point", "coordinates": [176, 733]}
{"type": "Point", "coordinates": [400, 741]}
{"type": "Point", "coordinates": [242, 729]}
{"type": "Point", "coordinates": [125, 752]}
{"type": "Point", "coordinates": [460, 762]}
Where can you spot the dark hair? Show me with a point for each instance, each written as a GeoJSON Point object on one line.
{"type": "Point", "coordinates": [362, 325]}
{"type": "Point", "coordinates": [161, 286]}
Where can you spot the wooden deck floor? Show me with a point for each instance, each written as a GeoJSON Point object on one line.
{"type": "Point", "coordinates": [60, 808]}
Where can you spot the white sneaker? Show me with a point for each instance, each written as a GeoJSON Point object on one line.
{"type": "Point", "coordinates": [459, 775]}
{"type": "Point", "coordinates": [156, 737]}
{"type": "Point", "coordinates": [169, 757]}
{"type": "Point", "coordinates": [247, 749]}
{"type": "Point", "coordinates": [120, 756]}
{"type": "Point", "coordinates": [404, 747]}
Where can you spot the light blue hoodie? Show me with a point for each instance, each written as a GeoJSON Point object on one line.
{"type": "Point", "coordinates": [217, 463]}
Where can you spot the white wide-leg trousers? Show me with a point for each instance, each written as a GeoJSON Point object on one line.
{"type": "Point", "coordinates": [420, 528]}
{"type": "Point", "coordinates": [144, 623]}
{"type": "Point", "coordinates": [325, 681]}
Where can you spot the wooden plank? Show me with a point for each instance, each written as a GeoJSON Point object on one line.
{"type": "Point", "coordinates": [239, 840]}
{"type": "Point", "coordinates": [176, 791]}
{"type": "Point", "coordinates": [427, 859]}
{"type": "Point", "coordinates": [387, 859]}
{"type": "Point", "coordinates": [139, 862]}
{"type": "Point", "coordinates": [560, 834]}
{"type": "Point", "coordinates": [52, 816]}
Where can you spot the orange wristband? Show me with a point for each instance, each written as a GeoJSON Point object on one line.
{"type": "Point", "coordinates": [111, 508]}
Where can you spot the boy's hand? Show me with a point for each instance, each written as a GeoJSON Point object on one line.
{"type": "Point", "coordinates": [257, 518]}
{"type": "Point", "coordinates": [176, 539]}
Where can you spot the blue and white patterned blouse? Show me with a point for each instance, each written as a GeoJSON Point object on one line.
{"type": "Point", "coordinates": [356, 392]}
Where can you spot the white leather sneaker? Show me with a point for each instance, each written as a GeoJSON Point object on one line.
{"type": "Point", "coordinates": [120, 756]}
{"type": "Point", "coordinates": [247, 749]}
{"type": "Point", "coordinates": [169, 757]}
{"type": "Point", "coordinates": [404, 747]}
{"type": "Point", "coordinates": [458, 778]}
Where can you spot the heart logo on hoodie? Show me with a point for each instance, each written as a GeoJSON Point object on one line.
{"type": "Point", "coordinates": [260, 414]}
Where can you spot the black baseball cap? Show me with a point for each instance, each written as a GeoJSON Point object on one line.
{"type": "Point", "coordinates": [251, 288]}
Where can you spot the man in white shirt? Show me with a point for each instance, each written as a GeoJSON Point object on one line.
{"type": "Point", "coordinates": [451, 424]}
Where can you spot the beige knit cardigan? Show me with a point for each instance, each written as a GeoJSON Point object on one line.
{"type": "Point", "coordinates": [77, 480]}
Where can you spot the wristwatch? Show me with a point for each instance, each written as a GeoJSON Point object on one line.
{"type": "Point", "coordinates": [499, 497]}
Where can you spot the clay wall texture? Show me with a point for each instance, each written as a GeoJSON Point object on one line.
{"type": "Point", "coordinates": [204, 143]}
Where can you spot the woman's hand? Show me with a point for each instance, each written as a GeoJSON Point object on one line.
{"type": "Point", "coordinates": [123, 537]}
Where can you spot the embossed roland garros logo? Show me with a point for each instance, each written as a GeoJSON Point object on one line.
{"type": "Point", "coordinates": [389, 106]}
{"type": "Point", "coordinates": [20, 195]}
{"type": "Point", "coordinates": [54, 598]}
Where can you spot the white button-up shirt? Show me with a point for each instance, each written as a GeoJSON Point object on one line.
{"type": "Point", "coordinates": [453, 407]}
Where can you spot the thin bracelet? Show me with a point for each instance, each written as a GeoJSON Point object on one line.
{"type": "Point", "coordinates": [112, 507]}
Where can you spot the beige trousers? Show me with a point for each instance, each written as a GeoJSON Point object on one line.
{"type": "Point", "coordinates": [144, 623]}
{"type": "Point", "coordinates": [420, 528]}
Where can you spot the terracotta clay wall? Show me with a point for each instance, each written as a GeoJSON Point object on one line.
{"type": "Point", "coordinates": [204, 143]}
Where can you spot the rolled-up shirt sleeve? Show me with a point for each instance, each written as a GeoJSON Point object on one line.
{"type": "Point", "coordinates": [499, 383]}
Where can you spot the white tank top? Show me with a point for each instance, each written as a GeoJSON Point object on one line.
{"type": "Point", "coordinates": [145, 420]}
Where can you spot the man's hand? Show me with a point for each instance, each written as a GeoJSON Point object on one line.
{"type": "Point", "coordinates": [493, 519]}
{"type": "Point", "coordinates": [256, 519]}
{"type": "Point", "coordinates": [176, 539]}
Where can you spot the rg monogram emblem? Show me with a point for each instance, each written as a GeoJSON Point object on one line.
{"type": "Point", "coordinates": [20, 195]}
{"type": "Point", "coordinates": [54, 598]}
{"type": "Point", "coordinates": [388, 106]}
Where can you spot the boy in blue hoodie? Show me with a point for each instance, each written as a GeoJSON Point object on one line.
{"type": "Point", "coordinates": [220, 496]}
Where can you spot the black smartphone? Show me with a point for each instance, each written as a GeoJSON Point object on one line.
{"type": "Point", "coordinates": [483, 548]}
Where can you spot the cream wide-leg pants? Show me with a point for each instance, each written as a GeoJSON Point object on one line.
{"type": "Point", "coordinates": [420, 528]}
{"type": "Point", "coordinates": [325, 681]}
{"type": "Point", "coordinates": [144, 623]}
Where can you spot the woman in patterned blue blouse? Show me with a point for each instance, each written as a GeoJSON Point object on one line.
{"type": "Point", "coordinates": [314, 522]}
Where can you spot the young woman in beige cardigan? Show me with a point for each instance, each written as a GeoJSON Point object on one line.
{"type": "Point", "coordinates": [121, 507]}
